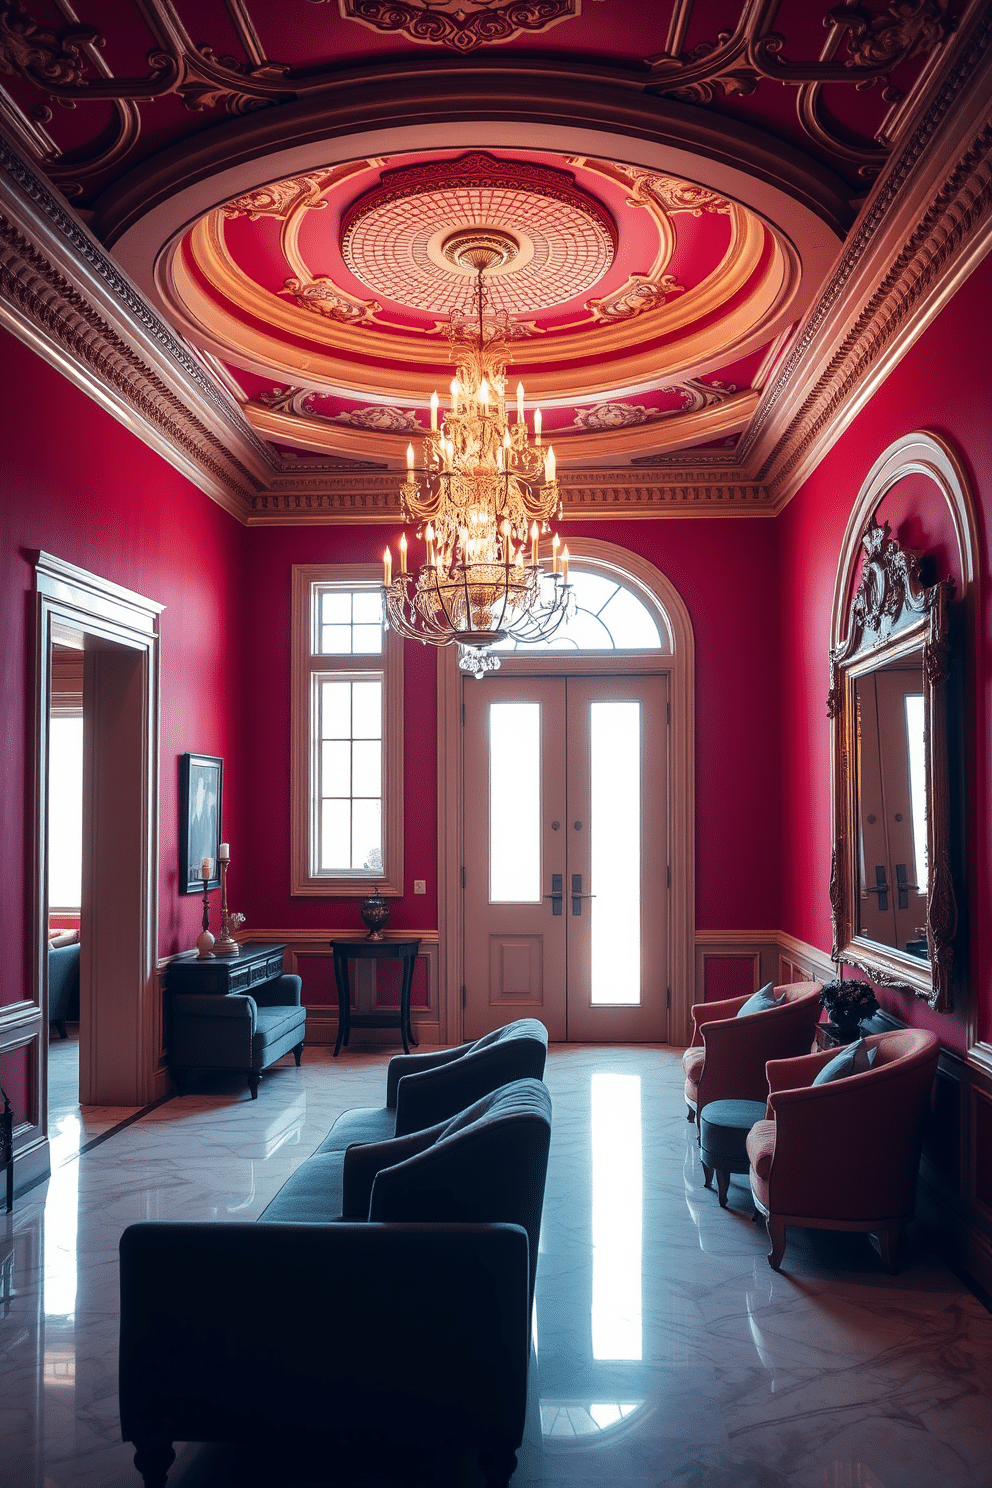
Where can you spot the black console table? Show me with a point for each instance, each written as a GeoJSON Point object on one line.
{"type": "Point", "coordinates": [373, 950]}
{"type": "Point", "coordinates": [223, 974]}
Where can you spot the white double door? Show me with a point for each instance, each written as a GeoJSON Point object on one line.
{"type": "Point", "coordinates": [565, 833]}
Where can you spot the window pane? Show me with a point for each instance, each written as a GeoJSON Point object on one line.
{"type": "Point", "coordinates": [607, 618]}
{"type": "Point", "coordinates": [335, 767]}
{"type": "Point", "coordinates": [366, 775]}
{"type": "Point", "coordinates": [348, 790]}
{"type": "Point", "coordinates": [514, 803]}
{"type": "Point", "coordinates": [629, 623]}
{"type": "Point", "coordinates": [65, 812]}
{"type": "Point", "coordinates": [335, 710]}
{"type": "Point", "coordinates": [335, 640]}
{"type": "Point", "coordinates": [335, 607]}
{"type": "Point", "coordinates": [350, 622]}
{"type": "Point", "coordinates": [367, 705]}
{"type": "Point", "coordinates": [367, 640]}
{"type": "Point", "coordinates": [367, 607]}
{"type": "Point", "coordinates": [335, 835]}
{"type": "Point", "coordinates": [615, 851]}
{"type": "Point", "coordinates": [366, 851]}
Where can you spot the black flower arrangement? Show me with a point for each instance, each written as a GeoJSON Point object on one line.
{"type": "Point", "coordinates": [848, 1004]}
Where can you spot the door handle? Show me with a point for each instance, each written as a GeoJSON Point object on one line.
{"type": "Point", "coordinates": [880, 887]}
{"type": "Point", "coordinates": [556, 893]}
{"type": "Point", "coordinates": [903, 886]}
{"type": "Point", "coordinates": [577, 894]}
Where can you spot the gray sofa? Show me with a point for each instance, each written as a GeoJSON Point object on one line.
{"type": "Point", "coordinates": [235, 1031]}
{"type": "Point", "coordinates": [418, 1255]}
{"type": "Point", "coordinates": [422, 1089]}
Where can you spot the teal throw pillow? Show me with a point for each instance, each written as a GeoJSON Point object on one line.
{"type": "Point", "coordinates": [761, 1001]}
{"type": "Point", "coordinates": [853, 1060]}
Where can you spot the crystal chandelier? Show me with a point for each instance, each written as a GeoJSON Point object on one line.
{"type": "Point", "coordinates": [481, 498]}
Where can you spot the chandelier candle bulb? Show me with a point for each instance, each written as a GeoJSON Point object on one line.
{"type": "Point", "coordinates": [533, 544]}
{"type": "Point", "coordinates": [564, 564]}
{"type": "Point", "coordinates": [555, 544]}
{"type": "Point", "coordinates": [409, 458]}
{"type": "Point", "coordinates": [537, 426]}
{"type": "Point", "coordinates": [387, 568]}
{"type": "Point", "coordinates": [403, 553]}
{"type": "Point", "coordinates": [484, 392]}
{"type": "Point", "coordinates": [435, 401]}
{"type": "Point", "coordinates": [429, 540]}
{"type": "Point", "coordinates": [520, 402]}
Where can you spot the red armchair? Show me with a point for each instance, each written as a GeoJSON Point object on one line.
{"type": "Point", "coordinates": [844, 1156]}
{"type": "Point", "coordinates": [727, 1057]}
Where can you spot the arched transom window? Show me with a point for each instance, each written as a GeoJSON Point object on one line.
{"type": "Point", "coordinates": [608, 617]}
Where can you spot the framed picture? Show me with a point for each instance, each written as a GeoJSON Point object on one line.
{"type": "Point", "coordinates": [201, 778]}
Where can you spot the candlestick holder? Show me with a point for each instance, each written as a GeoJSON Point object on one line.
{"type": "Point", "coordinates": [205, 941]}
{"type": "Point", "coordinates": [225, 944]}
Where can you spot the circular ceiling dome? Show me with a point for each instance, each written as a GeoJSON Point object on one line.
{"type": "Point", "coordinates": [397, 238]}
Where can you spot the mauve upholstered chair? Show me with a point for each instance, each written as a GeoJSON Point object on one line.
{"type": "Point", "coordinates": [423, 1089]}
{"type": "Point", "coordinates": [727, 1057]}
{"type": "Point", "coordinates": [845, 1155]}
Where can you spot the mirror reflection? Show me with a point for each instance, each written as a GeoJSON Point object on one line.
{"type": "Point", "coordinates": [892, 837]}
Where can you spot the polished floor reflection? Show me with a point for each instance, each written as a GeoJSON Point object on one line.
{"type": "Point", "coordinates": [666, 1351]}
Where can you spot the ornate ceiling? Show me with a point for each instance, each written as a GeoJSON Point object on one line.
{"type": "Point", "coordinates": [677, 181]}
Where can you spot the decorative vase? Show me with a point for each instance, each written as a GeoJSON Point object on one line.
{"type": "Point", "coordinates": [846, 1031]}
{"type": "Point", "coordinates": [375, 913]}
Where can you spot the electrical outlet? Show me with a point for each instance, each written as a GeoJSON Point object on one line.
{"type": "Point", "coordinates": [420, 886]}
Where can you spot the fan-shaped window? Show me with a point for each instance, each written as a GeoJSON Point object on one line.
{"type": "Point", "coordinates": [607, 617]}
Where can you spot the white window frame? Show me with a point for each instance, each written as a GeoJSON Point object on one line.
{"type": "Point", "coordinates": [309, 664]}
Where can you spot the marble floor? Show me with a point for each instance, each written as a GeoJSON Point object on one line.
{"type": "Point", "coordinates": [666, 1350]}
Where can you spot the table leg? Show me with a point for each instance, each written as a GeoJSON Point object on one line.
{"type": "Point", "coordinates": [344, 1002]}
{"type": "Point", "coordinates": [407, 1032]}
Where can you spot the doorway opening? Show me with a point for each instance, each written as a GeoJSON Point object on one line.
{"type": "Point", "coordinates": [581, 751]}
{"type": "Point", "coordinates": [106, 637]}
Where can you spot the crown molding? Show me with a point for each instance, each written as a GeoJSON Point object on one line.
{"type": "Point", "coordinates": [921, 231]}
{"type": "Point", "coordinates": [323, 497]}
{"type": "Point", "coordinates": [62, 295]}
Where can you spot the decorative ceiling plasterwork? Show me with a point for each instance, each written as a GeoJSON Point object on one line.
{"type": "Point", "coordinates": [644, 331]}
{"type": "Point", "coordinates": [923, 226]}
{"type": "Point", "coordinates": [460, 24]}
{"type": "Point", "coordinates": [53, 69]}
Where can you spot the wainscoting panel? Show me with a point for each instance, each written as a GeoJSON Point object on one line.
{"type": "Point", "coordinates": [515, 972]}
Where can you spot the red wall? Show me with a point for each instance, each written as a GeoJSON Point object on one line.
{"type": "Point", "coordinates": [725, 571]}
{"type": "Point", "coordinates": [942, 384]}
{"type": "Point", "coordinates": [80, 486]}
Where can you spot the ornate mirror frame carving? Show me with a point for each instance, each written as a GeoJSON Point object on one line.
{"type": "Point", "coordinates": [894, 616]}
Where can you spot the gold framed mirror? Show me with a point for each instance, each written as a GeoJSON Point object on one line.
{"type": "Point", "coordinates": [892, 895]}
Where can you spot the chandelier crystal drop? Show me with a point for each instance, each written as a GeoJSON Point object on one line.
{"type": "Point", "coordinates": [482, 496]}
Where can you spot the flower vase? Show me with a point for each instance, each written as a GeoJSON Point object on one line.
{"type": "Point", "coordinates": [375, 913]}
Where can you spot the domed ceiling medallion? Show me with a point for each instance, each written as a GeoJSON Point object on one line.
{"type": "Point", "coordinates": [395, 238]}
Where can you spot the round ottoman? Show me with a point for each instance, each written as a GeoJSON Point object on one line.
{"type": "Point", "coordinates": [723, 1129]}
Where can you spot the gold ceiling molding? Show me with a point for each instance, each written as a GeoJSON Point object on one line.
{"type": "Point", "coordinates": [372, 439]}
{"type": "Point", "coordinates": [329, 498]}
{"type": "Point", "coordinates": [230, 323]}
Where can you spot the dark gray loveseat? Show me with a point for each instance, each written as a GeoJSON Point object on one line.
{"type": "Point", "coordinates": [415, 1328]}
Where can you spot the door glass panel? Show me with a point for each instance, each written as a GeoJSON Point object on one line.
{"type": "Point", "coordinates": [514, 803]}
{"type": "Point", "coordinates": [917, 783]}
{"type": "Point", "coordinates": [615, 852]}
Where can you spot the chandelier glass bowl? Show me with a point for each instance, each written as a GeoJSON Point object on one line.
{"type": "Point", "coordinates": [483, 495]}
